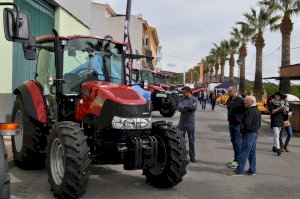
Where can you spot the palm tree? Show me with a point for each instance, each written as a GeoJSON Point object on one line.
{"type": "Point", "coordinates": [224, 52]}
{"type": "Point", "coordinates": [242, 35]}
{"type": "Point", "coordinates": [258, 22]}
{"type": "Point", "coordinates": [233, 45]}
{"type": "Point", "coordinates": [287, 8]}
{"type": "Point", "coordinates": [215, 56]}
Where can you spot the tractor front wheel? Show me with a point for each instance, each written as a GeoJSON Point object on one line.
{"type": "Point", "coordinates": [172, 157]}
{"type": "Point", "coordinates": [68, 160]}
{"type": "Point", "coordinates": [4, 174]}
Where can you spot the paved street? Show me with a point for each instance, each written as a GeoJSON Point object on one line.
{"type": "Point", "coordinates": [277, 177]}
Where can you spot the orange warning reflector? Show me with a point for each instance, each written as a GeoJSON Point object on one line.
{"type": "Point", "coordinates": [9, 129]}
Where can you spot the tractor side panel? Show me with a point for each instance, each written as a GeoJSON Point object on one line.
{"type": "Point", "coordinates": [34, 102]}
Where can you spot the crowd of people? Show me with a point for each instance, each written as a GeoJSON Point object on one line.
{"type": "Point", "coordinates": [244, 119]}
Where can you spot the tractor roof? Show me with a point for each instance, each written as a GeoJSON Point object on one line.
{"type": "Point", "coordinates": [49, 38]}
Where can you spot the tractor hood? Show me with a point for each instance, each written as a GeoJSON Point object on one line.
{"type": "Point", "coordinates": [153, 88]}
{"type": "Point", "coordinates": [121, 94]}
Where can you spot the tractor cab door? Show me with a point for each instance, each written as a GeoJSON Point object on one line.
{"type": "Point", "coordinates": [45, 73]}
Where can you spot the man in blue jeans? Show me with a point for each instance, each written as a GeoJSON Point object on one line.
{"type": "Point", "coordinates": [236, 109]}
{"type": "Point", "coordinates": [250, 125]}
{"type": "Point", "coordinates": [187, 108]}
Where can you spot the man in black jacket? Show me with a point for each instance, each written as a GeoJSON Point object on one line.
{"type": "Point", "coordinates": [236, 109]}
{"type": "Point", "coordinates": [250, 125]}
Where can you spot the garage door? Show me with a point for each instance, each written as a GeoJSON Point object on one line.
{"type": "Point", "coordinates": [42, 22]}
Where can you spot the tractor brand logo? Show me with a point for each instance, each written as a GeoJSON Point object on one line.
{"type": "Point", "coordinates": [99, 101]}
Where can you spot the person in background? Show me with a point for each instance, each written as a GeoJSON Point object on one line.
{"type": "Point", "coordinates": [251, 123]}
{"type": "Point", "coordinates": [287, 126]}
{"type": "Point", "coordinates": [204, 100]}
{"type": "Point", "coordinates": [236, 109]}
{"type": "Point", "coordinates": [212, 98]}
{"type": "Point", "coordinates": [244, 94]}
{"type": "Point", "coordinates": [187, 108]}
{"type": "Point", "coordinates": [277, 111]}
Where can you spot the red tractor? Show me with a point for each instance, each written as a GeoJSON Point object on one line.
{"type": "Point", "coordinates": [164, 81]}
{"type": "Point", "coordinates": [162, 100]}
{"type": "Point", "coordinates": [79, 111]}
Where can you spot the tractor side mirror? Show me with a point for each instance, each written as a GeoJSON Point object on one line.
{"type": "Point", "coordinates": [16, 30]}
{"type": "Point", "coordinates": [29, 49]}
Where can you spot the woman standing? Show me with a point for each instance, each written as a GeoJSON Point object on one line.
{"type": "Point", "coordinates": [287, 125]}
{"type": "Point", "coordinates": [277, 111]}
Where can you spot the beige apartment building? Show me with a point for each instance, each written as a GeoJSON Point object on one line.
{"type": "Point", "coordinates": [144, 38]}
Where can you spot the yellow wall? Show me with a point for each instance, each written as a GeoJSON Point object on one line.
{"type": "Point", "coordinates": [66, 24]}
{"type": "Point", "coordinates": [6, 54]}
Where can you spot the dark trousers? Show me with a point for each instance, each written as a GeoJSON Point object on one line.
{"type": "Point", "coordinates": [203, 103]}
{"type": "Point", "coordinates": [213, 105]}
{"type": "Point", "coordinates": [248, 151]}
{"type": "Point", "coordinates": [236, 140]}
{"type": "Point", "coordinates": [190, 130]}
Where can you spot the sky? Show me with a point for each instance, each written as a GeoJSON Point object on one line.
{"type": "Point", "coordinates": [188, 28]}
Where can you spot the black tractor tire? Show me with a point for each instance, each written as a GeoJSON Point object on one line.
{"type": "Point", "coordinates": [169, 107]}
{"type": "Point", "coordinates": [31, 153]}
{"type": "Point", "coordinates": [176, 97]}
{"type": "Point", "coordinates": [75, 160]}
{"type": "Point", "coordinates": [172, 155]}
{"type": "Point", "coordinates": [4, 173]}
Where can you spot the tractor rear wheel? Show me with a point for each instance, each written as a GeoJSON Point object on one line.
{"type": "Point", "coordinates": [172, 157]}
{"type": "Point", "coordinates": [4, 174]}
{"type": "Point", "coordinates": [30, 141]}
{"type": "Point", "coordinates": [169, 107]}
{"type": "Point", "coordinates": [68, 160]}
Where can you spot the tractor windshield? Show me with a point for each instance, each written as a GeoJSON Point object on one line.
{"type": "Point", "coordinates": [93, 59]}
{"type": "Point", "coordinates": [160, 79]}
{"type": "Point", "coordinates": [147, 75]}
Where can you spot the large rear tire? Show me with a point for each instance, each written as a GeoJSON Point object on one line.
{"type": "Point", "coordinates": [172, 157]}
{"type": "Point", "coordinates": [68, 160]}
{"type": "Point", "coordinates": [30, 141]}
{"type": "Point", "coordinates": [4, 174]}
{"type": "Point", "coordinates": [169, 107]}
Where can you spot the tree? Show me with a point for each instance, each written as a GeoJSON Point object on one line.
{"type": "Point", "coordinates": [233, 45]}
{"type": "Point", "coordinates": [224, 52]}
{"type": "Point", "coordinates": [258, 22]}
{"type": "Point", "coordinates": [242, 35]}
{"type": "Point", "coordinates": [286, 8]}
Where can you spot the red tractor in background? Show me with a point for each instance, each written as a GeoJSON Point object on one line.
{"type": "Point", "coordinates": [161, 100]}
{"type": "Point", "coordinates": [80, 110]}
{"type": "Point", "coordinates": [164, 81]}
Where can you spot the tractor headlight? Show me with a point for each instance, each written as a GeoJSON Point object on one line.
{"type": "Point", "coordinates": [131, 123]}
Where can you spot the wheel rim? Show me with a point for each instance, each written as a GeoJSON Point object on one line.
{"type": "Point", "coordinates": [19, 137]}
{"type": "Point", "coordinates": [161, 158]}
{"type": "Point", "coordinates": [57, 162]}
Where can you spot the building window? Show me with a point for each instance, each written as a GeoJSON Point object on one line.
{"type": "Point", "coordinates": [147, 41]}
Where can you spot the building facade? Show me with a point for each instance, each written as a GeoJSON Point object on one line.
{"type": "Point", "coordinates": [144, 38]}
{"type": "Point", "coordinates": [67, 17]}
